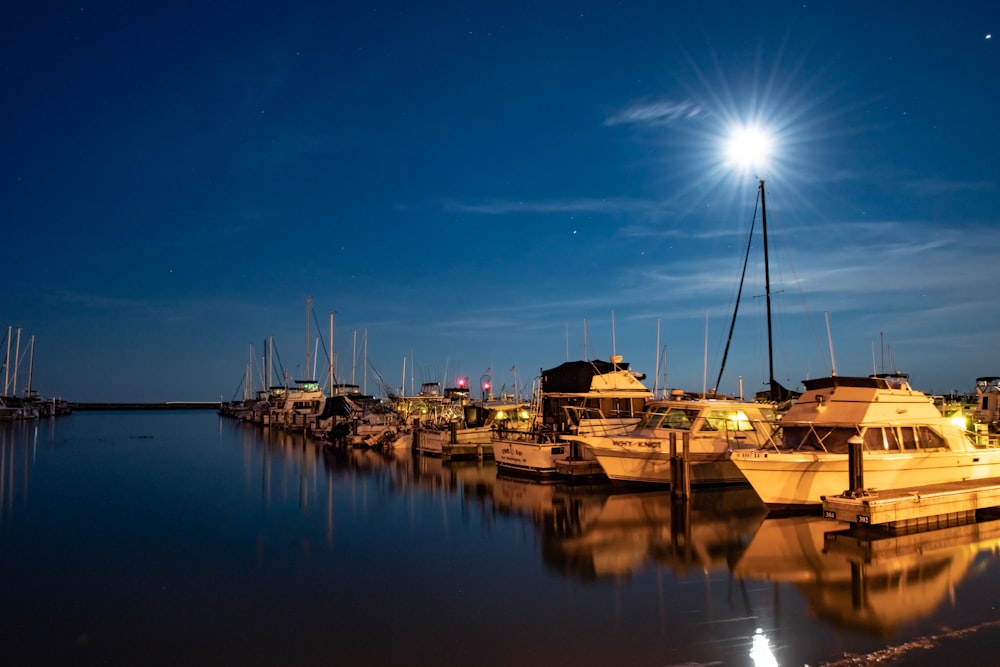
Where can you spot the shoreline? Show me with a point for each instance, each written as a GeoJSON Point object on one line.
{"type": "Point", "coordinates": [170, 405]}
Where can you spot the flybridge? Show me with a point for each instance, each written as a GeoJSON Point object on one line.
{"type": "Point", "coordinates": [847, 381]}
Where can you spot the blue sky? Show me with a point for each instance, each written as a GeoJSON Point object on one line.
{"type": "Point", "coordinates": [494, 185]}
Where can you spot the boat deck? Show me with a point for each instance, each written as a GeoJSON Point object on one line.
{"type": "Point", "coordinates": [916, 508]}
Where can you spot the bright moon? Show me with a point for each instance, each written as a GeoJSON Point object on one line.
{"type": "Point", "coordinates": [748, 147]}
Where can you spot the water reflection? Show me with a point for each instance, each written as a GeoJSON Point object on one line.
{"type": "Point", "coordinates": [866, 581]}
{"type": "Point", "coordinates": [18, 444]}
{"type": "Point", "coordinates": [601, 531]}
{"type": "Point", "coordinates": [641, 543]}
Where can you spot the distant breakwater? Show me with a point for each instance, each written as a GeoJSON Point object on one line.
{"type": "Point", "coordinates": [171, 405]}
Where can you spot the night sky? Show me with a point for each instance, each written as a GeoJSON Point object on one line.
{"type": "Point", "coordinates": [494, 185]}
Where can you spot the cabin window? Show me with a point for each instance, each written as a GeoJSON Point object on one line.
{"type": "Point", "coordinates": [908, 438]}
{"type": "Point", "coordinates": [884, 438]}
{"type": "Point", "coordinates": [726, 420]}
{"type": "Point", "coordinates": [930, 439]}
{"type": "Point", "coordinates": [805, 438]}
{"type": "Point", "coordinates": [651, 419]}
{"type": "Point", "coordinates": [679, 418]}
{"type": "Point", "coordinates": [879, 439]}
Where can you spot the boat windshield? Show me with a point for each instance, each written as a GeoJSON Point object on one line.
{"type": "Point", "coordinates": [669, 417]}
{"type": "Point", "coordinates": [727, 420]}
{"type": "Point", "coordinates": [836, 439]}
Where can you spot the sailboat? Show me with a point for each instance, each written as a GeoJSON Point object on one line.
{"type": "Point", "coordinates": [576, 397]}
{"type": "Point", "coordinates": [905, 440]}
{"type": "Point", "coordinates": [703, 428]}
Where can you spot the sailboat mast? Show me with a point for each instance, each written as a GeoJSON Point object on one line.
{"type": "Point", "coordinates": [333, 356]}
{"type": "Point", "coordinates": [17, 360]}
{"type": "Point", "coordinates": [767, 295]}
{"type": "Point", "coordinates": [31, 363]}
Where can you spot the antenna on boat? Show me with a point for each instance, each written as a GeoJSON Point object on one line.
{"type": "Point", "coordinates": [704, 370]}
{"type": "Point", "coordinates": [829, 338]}
{"type": "Point", "coordinates": [614, 350]}
{"type": "Point", "coordinates": [309, 300]}
{"type": "Point", "coordinates": [664, 364]}
{"type": "Point", "coordinates": [656, 366]}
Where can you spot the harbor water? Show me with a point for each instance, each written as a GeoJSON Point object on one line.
{"type": "Point", "coordinates": [186, 538]}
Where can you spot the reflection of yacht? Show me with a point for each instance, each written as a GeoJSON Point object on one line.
{"type": "Point", "coordinates": [713, 428]}
{"type": "Point", "coordinates": [707, 531]}
{"type": "Point", "coordinates": [906, 442]}
{"type": "Point", "coordinates": [595, 532]}
{"type": "Point", "coordinates": [577, 397]}
{"type": "Point", "coordinates": [859, 581]}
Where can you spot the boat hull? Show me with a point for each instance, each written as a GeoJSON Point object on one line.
{"type": "Point", "coordinates": [784, 479]}
{"type": "Point", "coordinates": [656, 467]}
{"type": "Point", "coordinates": [527, 457]}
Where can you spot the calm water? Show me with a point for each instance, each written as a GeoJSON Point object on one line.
{"type": "Point", "coordinates": [183, 538]}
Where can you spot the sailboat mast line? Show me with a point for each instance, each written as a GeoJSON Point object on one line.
{"type": "Point", "coordinates": [739, 293]}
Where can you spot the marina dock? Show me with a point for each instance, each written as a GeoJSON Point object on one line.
{"type": "Point", "coordinates": [916, 508]}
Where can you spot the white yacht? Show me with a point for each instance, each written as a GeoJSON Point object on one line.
{"type": "Point", "coordinates": [905, 440]}
{"type": "Point", "coordinates": [707, 428]}
{"type": "Point", "coordinates": [474, 433]}
{"type": "Point", "coordinates": [577, 397]}
{"type": "Point", "coordinates": [299, 406]}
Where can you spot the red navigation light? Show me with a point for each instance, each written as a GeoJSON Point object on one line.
{"type": "Point", "coordinates": [486, 386]}
{"type": "Point", "coordinates": [461, 382]}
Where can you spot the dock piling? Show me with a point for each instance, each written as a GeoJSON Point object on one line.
{"type": "Point", "coordinates": [855, 466]}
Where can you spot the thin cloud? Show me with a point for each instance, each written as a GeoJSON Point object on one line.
{"type": "Point", "coordinates": [503, 207]}
{"type": "Point", "coordinates": [655, 113]}
{"type": "Point", "coordinates": [937, 186]}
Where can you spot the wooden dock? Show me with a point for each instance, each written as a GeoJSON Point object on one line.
{"type": "Point", "coordinates": [916, 508]}
{"type": "Point", "coordinates": [576, 468]}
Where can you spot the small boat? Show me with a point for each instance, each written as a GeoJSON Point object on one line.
{"type": "Point", "coordinates": [474, 433]}
{"type": "Point", "coordinates": [704, 430]}
{"type": "Point", "coordinates": [905, 441]}
{"type": "Point", "coordinates": [575, 398]}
